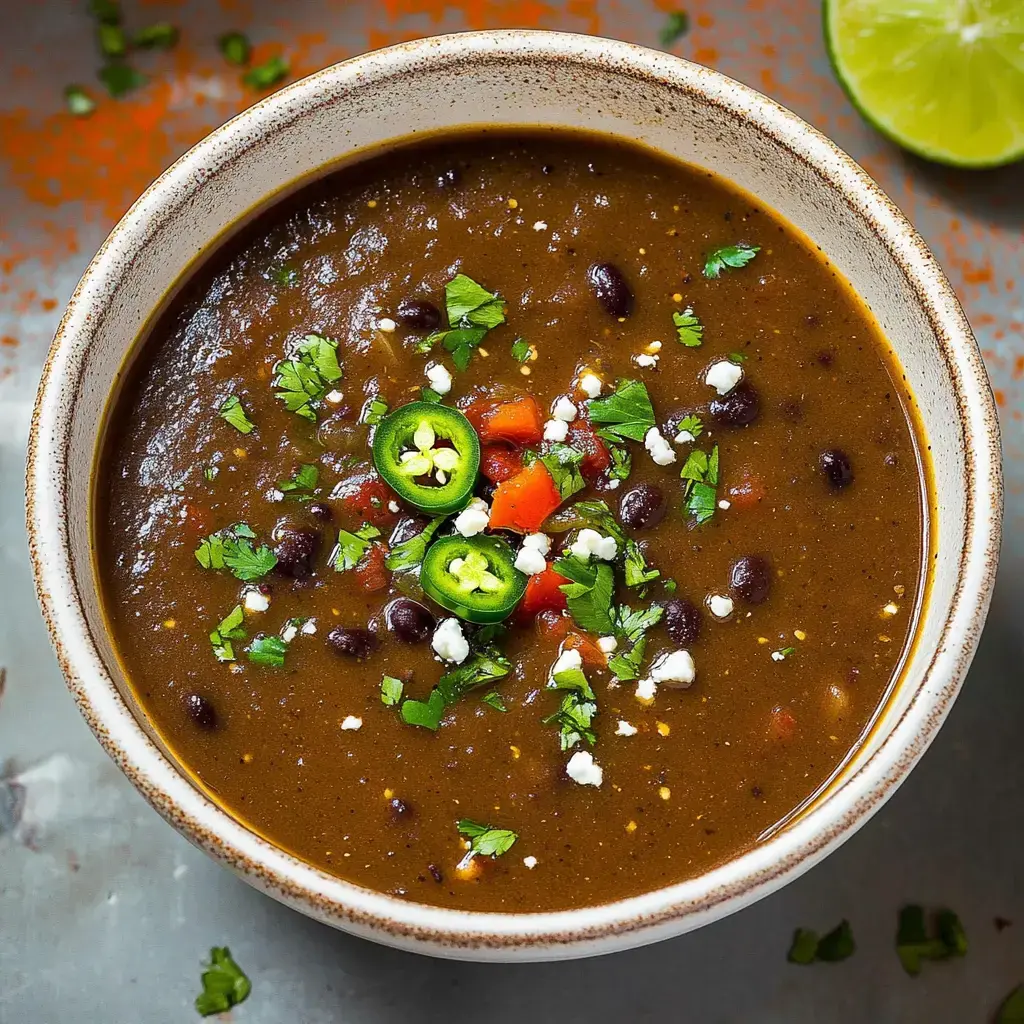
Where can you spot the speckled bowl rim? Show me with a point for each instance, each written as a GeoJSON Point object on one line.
{"type": "Point", "coordinates": [588, 930]}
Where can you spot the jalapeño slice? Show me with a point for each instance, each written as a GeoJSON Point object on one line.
{"type": "Point", "coordinates": [430, 455]}
{"type": "Point", "coordinates": [474, 577]}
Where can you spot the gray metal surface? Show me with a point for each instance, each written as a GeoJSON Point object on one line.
{"type": "Point", "coordinates": [106, 914]}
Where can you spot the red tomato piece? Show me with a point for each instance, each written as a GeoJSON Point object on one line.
{"type": "Point", "coordinates": [747, 492]}
{"type": "Point", "coordinates": [524, 501]}
{"type": "Point", "coordinates": [498, 463]}
{"type": "Point", "coordinates": [370, 501]}
{"type": "Point", "coordinates": [519, 422]}
{"type": "Point", "coordinates": [782, 724]}
{"type": "Point", "coordinates": [542, 594]}
{"type": "Point", "coordinates": [371, 573]}
{"type": "Point", "coordinates": [596, 457]}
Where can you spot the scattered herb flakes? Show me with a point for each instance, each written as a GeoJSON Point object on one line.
{"type": "Point", "coordinates": [804, 948]}
{"type": "Point", "coordinates": [563, 463]}
{"type": "Point", "coordinates": [493, 700]}
{"type": "Point", "coordinates": [284, 276]}
{"type": "Point", "coordinates": [234, 413]}
{"type": "Point", "coordinates": [1012, 1009]}
{"type": "Point", "coordinates": [304, 378]}
{"type": "Point", "coordinates": [120, 79]}
{"type": "Point", "coordinates": [914, 944]}
{"type": "Point", "coordinates": [485, 840]}
{"type": "Point", "coordinates": [738, 357]}
{"type": "Point", "coordinates": [635, 565]}
{"type": "Point", "coordinates": [700, 473]}
{"type": "Point", "coordinates": [232, 549]}
{"type": "Point", "coordinates": [160, 36]}
{"type": "Point", "coordinates": [807, 948]}
{"type": "Point", "coordinates": [471, 305]}
{"type": "Point", "coordinates": [409, 553]}
{"type": "Point", "coordinates": [374, 411]}
{"type": "Point", "coordinates": [670, 586]}
{"type": "Point", "coordinates": [352, 546]}
{"type": "Point", "coordinates": [267, 650]}
{"type": "Point", "coordinates": [589, 595]}
{"type": "Point", "coordinates": [520, 350]}
{"type": "Point", "coordinates": [235, 47]}
{"type": "Point", "coordinates": [425, 713]}
{"type": "Point", "coordinates": [692, 425]}
{"type": "Point", "coordinates": [267, 74]}
{"type": "Point", "coordinates": [112, 40]}
{"type": "Point", "coordinates": [303, 484]}
{"type": "Point", "coordinates": [689, 329]}
{"type": "Point", "coordinates": [229, 628]}
{"type": "Point", "coordinates": [224, 984]}
{"type": "Point", "coordinates": [78, 101]}
{"type": "Point", "coordinates": [729, 257]}
{"type": "Point", "coordinates": [210, 472]}
{"type": "Point", "coordinates": [622, 463]}
{"type": "Point", "coordinates": [107, 12]}
{"type": "Point", "coordinates": [677, 24]}
{"type": "Point", "coordinates": [391, 691]}
{"type": "Point", "coordinates": [430, 395]}
{"type": "Point", "coordinates": [627, 413]}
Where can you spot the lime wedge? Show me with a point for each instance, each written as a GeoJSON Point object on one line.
{"type": "Point", "coordinates": [943, 78]}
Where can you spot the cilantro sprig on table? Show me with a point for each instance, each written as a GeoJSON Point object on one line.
{"type": "Point", "coordinates": [486, 840]}
{"type": "Point", "coordinates": [914, 943]}
{"type": "Point", "coordinates": [807, 947]}
{"type": "Point", "coordinates": [232, 549]}
{"type": "Point", "coordinates": [729, 257]}
{"type": "Point", "coordinates": [303, 379]}
{"type": "Point", "coordinates": [472, 312]}
{"type": "Point", "coordinates": [677, 24]}
{"type": "Point", "coordinates": [224, 984]}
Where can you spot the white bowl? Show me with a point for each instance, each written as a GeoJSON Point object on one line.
{"type": "Point", "coordinates": [521, 78]}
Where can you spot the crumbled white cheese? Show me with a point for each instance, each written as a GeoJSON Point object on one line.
{"type": "Point", "coordinates": [386, 324]}
{"type": "Point", "coordinates": [724, 504]}
{"type": "Point", "coordinates": [556, 430]}
{"type": "Point", "coordinates": [608, 644]}
{"type": "Point", "coordinates": [778, 656]}
{"type": "Point", "coordinates": [661, 451]}
{"type": "Point", "coordinates": [540, 225]}
{"type": "Point", "coordinates": [646, 689]}
{"type": "Point", "coordinates": [334, 397]}
{"type": "Point", "coordinates": [646, 361]}
{"type": "Point", "coordinates": [613, 484]}
{"type": "Point", "coordinates": [590, 542]}
{"type": "Point", "coordinates": [583, 769]}
{"type": "Point", "coordinates": [590, 385]}
{"type": "Point", "coordinates": [439, 377]}
{"type": "Point", "coordinates": [674, 667]}
{"type": "Point", "coordinates": [309, 627]}
{"type": "Point", "coordinates": [723, 376]}
{"type": "Point", "coordinates": [625, 729]}
{"type": "Point", "coordinates": [352, 722]}
{"type": "Point", "coordinates": [684, 437]}
{"type": "Point", "coordinates": [566, 660]}
{"type": "Point", "coordinates": [655, 346]}
{"type": "Point", "coordinates": [255, 601]}
{"type": "Point", "coordinates": [289, 633]}
{"type": "Point", "coordinates": [530, 561]}
{"type": "Point", "coordinates": [539, 541]}
{"type": "Point", "coordinates": [449, 642]}
{"type": "Point", "coordinates": [719, 605]}
{"type": "Point", "coordinates": [393, 506]}
{"type": "Point", "coordinates": [275, 495]}
{"type": "Point", "coordinates": [473, 519]}
{"type": "Point", "coordinates": [530, 862]}
{"type": "Point", "coordinates": [564, 409]}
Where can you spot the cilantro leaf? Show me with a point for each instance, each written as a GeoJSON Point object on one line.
{"type": "Point", "coordinates": [352, 546]}
{"type": "Point", "coordinates": [304, 378]}
{"type": "Point", "coordinates": [494, 700]}
{"type": "Point", "coordinates": [1012, 1010]}
{"type": "Point", "coordinates": [692, 425]}
{"type": "Point", "coordinates": [914, 944]}
{"type": "Point", "coordinates": [738, 357]}
{"type": "Point", "coordinates": [267, 650]}
{"type": "Point", "coordinates": [426, 714]}
{"type": "Point", "coordinates": [804, 947]}
{"type": "Point", "coordinates": [631, 625]}
{"type": "Point", "coordinates": [471, 305]}
{"type": "Point", "coordinates": [120, 79]}
{"type": "Point", "coordinates": [689, 329]}
{"type": "Point", "coordinates": [234, 413]}
{"type": "Point", "coordinates": [374, 411]}
{"type": "Point", "coordinates": [461, 342]}
{"type": "Point", "coordinates": [78, 101]}
{"type": "Point", "coordinates": [224, 984]}
{"type": "Point", "coordinates": [622, 463]}
{"type": "Point", "coordinates": [485, 840]}
{"type": "Point", "coordinates": [269, 73]}
{"type": "Point", "coordinates": [520, 350]}
{"type": "Point", "coordinates": [430, 395]}
{"type": "Point", "coordinates": [837, 945]}
{"type": "Point", "coordinates": [284, 276]}
{"type": "Point", "coordinates": [483, 667]}
{"type": "Point", "coordinates": [626, 665]}
{"type": "Point", "coordinates": [235, 47]}
{"type": "Point", "coordinates": [677, 24]}
{"type": "Point", "coordinates": [627, 413]}
{"type": "Point", "coordinates": [160, 36]}
{"type": "Point", "coordinates": [700, 471]}
{"type": "Point", "coordinates": [303, 483]}
{"type": "Point", "coordinates": [637, 573]}
{"type": "Point", "coordinates": [729, 257]}
{"type": "Point", "coordinates": [576, 711]}
{"type": "Point", "coordinates": [231, 549]}
{"type": "Point", "coordinates": [409, 553]}
{"type": "Point", "coordinates": [589, 595]}
{"type": "Point", "coordinates": [229, 628]}
{"type": "Point", "coordinates": [563, 463]}
{"type": "Point", "coordinates": [391, 691]}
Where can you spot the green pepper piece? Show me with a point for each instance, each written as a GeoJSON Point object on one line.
{"type": "Point", "coordinates": [474, 577]}
{"type": "Point", "coordinates": [429, 455]}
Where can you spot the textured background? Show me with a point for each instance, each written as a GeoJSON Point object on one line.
{"type": "Point", "coordinates": [105, 913]}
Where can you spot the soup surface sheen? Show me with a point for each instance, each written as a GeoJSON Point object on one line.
{"type": "Point", "coordinates": [808, 548]}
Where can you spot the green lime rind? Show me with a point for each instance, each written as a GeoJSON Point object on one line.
{"type": "Point", "coordinates": [944, 79]}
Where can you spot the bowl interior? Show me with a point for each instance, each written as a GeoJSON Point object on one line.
{"type": "Point", "coordinates": [519, 79]}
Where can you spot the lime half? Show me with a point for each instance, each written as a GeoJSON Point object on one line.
{"type": "Point", "coordinates": [943, 78]}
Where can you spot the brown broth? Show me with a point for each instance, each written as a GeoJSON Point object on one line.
{"type": "Point", "coordinates": [712, 767]}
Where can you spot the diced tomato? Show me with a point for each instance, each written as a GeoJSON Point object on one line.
{"type": "Point", "coordinates": [781, 724]}
{"type": "Point", "coordinates": [370, 501]}
{"type": "Point", "coordinates": [498, 463]}
{"type": "Point", "coordinates": [589, 651]}
{"type": "Point", "coordinates": [747, 492]}
{"type": "Point", "coordinates": [553, 626]}
{"type": "Point", "coordinates": [542, 594]}
{"type": "Point", "coordinates": [371, 572]}
{"type": "Point", "coordinates": [524, 501]}
{"type": "Point", "coordinates": [517, 422]}
{"type": "Point", "coordinates": [596, 457]}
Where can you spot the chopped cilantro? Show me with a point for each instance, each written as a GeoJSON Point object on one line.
{"type": "Point", "coordinates": [374, 411]}
{"type": "Point", "coordinates": [589, 595]}
{"type": "Point", "coordinates": [784, 653]}
{"type": "Point", "coordinates": [692, 425]}
{"type": "Point", "coordinates": [303, 483]}
{"type": "Point", "coordinates": [738, 357]}
{"type": "Point", "coordinates": [637, 573]}
{"type": "Point", "coordinates": [426, 714]}
{"type": "Point", "coordinates": [563, 463]}
{"type": "Point", "coordinates": [224, 984]}
{"type": "Point", "coordinates": [700, 471]}
{"type": "Point", "coordinates": [485, 840]}
{"type": "Point", "coordinates": [161, 36]}
{"type": "Point", "coordinates": [78, 101]}
{"type": "Point", "coordinates": [471, 305]}
{"type": "Point", "coordinates": [626, 665]}
{"type": "Point", "coordinates": [303, 379]}
{"type": "Point", "coordinates": [493, 699]}
{"type": "Point", "coordinates": [235, 47]}
{"type": "Point", "coordinates": [391, 691]}
{"type": "Point", "coordinates": [626, 414]}
{"type": "Point", "coordinates": [284, 276]}
{"type": "Point", "coordinates": [234, 413]}
{"type": "Point", "coordinates": [914, 944]}
{"type": "Point", "coordinates": [483, 667]}
{"type": "Point", "coordinates": [232, 549]}
{"type": "Point", "coordinates": [461, 342]}
{"type": "Point", "coordinates": [520, 350]}
{"type": "Point", "coordinates": [409, 553]}
{"type": "Point", "coordinates": [352, 546]}
{"type": "Point", "coordinates": [670, 586]}
{"type": "Point", "coordinates": [112, 40]}
{"type": "Point", "coordinates": [489, 633]}
{"type": "Point", "coordinates": [430, 395]}
{"type": "Point", "coordinates": [120, 79]}
{"type": "Point", "coordinates": [1012, 1010]}
{"type": "Point", "coordinates": [622, 463]}
{"type": "Point", "coordinates": [689, 329]}
{"type": "Point", "coordinates": [677, 24]}
{"type": "Point", "coordinates": [632, 627]}
{"type": "Point", "coordinates": [210, 472]}
{"type": "Point", "coordinates": [267, 74]}
{"type": "Point", "coordinates": [107, 12]}
{"type": "Point", "coordinates": [577, 710]}
{"type": "Point", "coordinates": [729, 257]}
{"type": "Point", "coordinates": [229, 628]}
{"type": "Point", "coordinates": [267, 650]}
{"type": "Point", "coordinates": [837, 945]}
{"type": "Point", "coordinates": [804, 948]}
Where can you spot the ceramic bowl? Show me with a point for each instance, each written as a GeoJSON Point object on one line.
{"type": "Point", "coordinates": [521, 78]}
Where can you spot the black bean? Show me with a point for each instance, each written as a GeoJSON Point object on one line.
{"type": "Point", "coordinates": [610, 289]}
{"type": "Point", "coordinates": [642, 506]}
{"type": "Point", "coordinates": [296, 549]}
{"type": "Point", "coordinates": [318, 510]}
{"type": "Point", "coordinates": [354, 643]}
{"type": "Point", "coordinates": [738, 408]}
{"type": "Point", "coordinates": [410, 621]}
{"type": "Point", "coordinates": [399, 809]}
{"type": "Point", "coordinates": [682, 620]}
{"type": "Point", "coordinates": [435, 873]}
{"type": "Point", "coordinates": [418, 314]}
{"type": "Point", "coordinates": [835, 464]}
{"type": "Point", "coordinates": [201, 711]}
{"type": "Point", "coordinates": [547, 169]}
{"type": "Point", "coordinates": [750, 578]}
{"type": "Point", "coordinates": [449, 177]}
